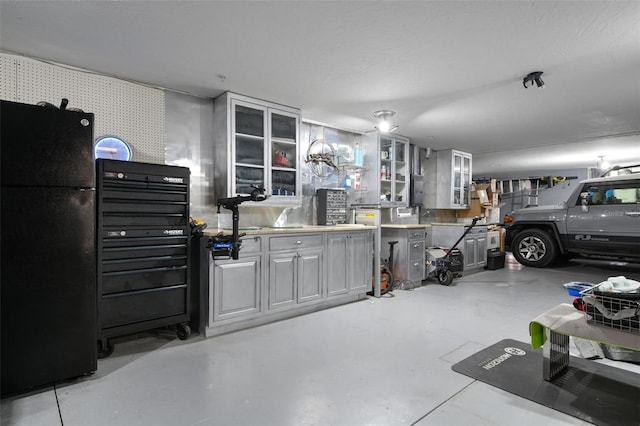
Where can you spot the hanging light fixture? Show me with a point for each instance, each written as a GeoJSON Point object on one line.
{"type": "Point", "coordinates": [384, 125]}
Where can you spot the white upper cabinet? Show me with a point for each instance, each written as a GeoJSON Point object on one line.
{"type": "Point", "coordinates": [256, 146]}
{"type": "Point", "coordinates": [385, 178]}
{"type": "Point", "coordinates": [449, 185]}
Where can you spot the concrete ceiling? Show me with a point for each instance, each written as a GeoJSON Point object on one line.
{"type": "Point", "coordinates": [452, 70]}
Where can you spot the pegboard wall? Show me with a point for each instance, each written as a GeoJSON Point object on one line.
{"type": "Point", "coordinates": [131, 111]}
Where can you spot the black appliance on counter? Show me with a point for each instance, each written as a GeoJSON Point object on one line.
{"type": "Point", "coordinates": [48, 266]}
{"type": "Point", "coordinates": [144, 240]}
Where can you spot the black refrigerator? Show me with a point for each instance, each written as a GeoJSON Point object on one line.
{"type": "Point", "coordinates": [48, 266]}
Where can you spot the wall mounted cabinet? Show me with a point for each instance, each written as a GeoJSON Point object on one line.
{"type": "Point", "coordinates": [256, 145]}
{"type": "Point", "coordinates": [385, 178]}
{"type": "Point", "coordinates": [450, 185]}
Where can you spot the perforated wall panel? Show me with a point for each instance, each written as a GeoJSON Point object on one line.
{"type": "Point", "coordinates": [131, 111]}
{"type": "Point", "coordinates": [7, 78]}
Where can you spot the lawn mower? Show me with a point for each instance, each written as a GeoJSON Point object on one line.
{"type": "Point", "coordinates": [443, 264]}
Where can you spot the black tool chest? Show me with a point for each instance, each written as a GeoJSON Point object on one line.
{"type": "Point", "coordinates": [143, 249]}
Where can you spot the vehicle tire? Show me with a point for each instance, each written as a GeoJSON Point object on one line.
{"type": "Point", "coordinates": [445, 277]}
{"type": "Point", "coordinates": [534, 247]}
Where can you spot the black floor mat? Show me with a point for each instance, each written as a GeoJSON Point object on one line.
{"type": "Point", "coordinates": [590, 391]}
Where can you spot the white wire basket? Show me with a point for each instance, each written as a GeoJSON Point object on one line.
{"type": "Point", "coordinates": [612, 309]}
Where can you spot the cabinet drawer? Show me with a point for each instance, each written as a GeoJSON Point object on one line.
{"type": "Point", "coordinates": [138, 306]}
{"type": "Point", "coordinates": [416, 270]}
{"type": "Point", "coordinates": [295, 242]}
{"type": "Point", "coordinates": [416, 250]}
{"type": "Point", "coordinates": [416, 234]}
{"type": "Point", "coordinates": [250, 244]}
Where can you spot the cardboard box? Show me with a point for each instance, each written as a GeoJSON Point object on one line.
{"type": "Point", "coordinates": [476, 209]}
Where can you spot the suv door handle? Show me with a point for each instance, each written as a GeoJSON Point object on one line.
{"type": "Point", "coordinates": [634, 213]}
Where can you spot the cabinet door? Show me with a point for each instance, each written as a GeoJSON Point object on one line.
{"type": "Point", "coordinates": [284, 130]}
{"type": "Point", "coordinates": [236, 287]}
{"type": "Point", "coordinates": [470, 254]}
{"type": "Point", "coordinates": [282, 279]}
{"type": "Point", "coordinates": [400, 175]}
{"type": "Point", "coordinates": [248, 132]}
{"type": "Point", "coordinates": [337, 264]}
{"type": "Point", "coordinates": [481, 247]}
{"type": "Point", "coordinates": [386, 168]}
{"type": "Point", "coordinates": [309, 275]}
{"type": "Point", "coordinates": [359, 261]}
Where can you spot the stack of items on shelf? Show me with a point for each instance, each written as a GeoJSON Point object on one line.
{"type": "Point", "coordinates": [484, 197]}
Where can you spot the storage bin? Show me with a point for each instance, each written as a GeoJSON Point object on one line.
{"type": "Point", "coordinates": [495, 259]}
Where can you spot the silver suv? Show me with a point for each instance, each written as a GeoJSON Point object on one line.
{"type": "Point", "coordinates": [601, 219]}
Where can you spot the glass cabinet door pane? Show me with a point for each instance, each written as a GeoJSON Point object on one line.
{"type": "Point", "coordinates": [283, 127]}
{"type": "Point", "coordinates": [250, 150]}
{"type": "Point", "coordinates": [283, 155]}
{"type": "Point", "coordinates": [400, 152]}
{"type": "Point", "coordinates": [249, 121]}
{"type": "Point", "coordinates": [248, 178]}
{"type": "Point", "coordinates": [283, 182]}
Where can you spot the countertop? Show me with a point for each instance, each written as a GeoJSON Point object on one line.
{"type": "Point", "coordinates": [290, 229]}
{"type": "Point", "coordinates": [406, 226]}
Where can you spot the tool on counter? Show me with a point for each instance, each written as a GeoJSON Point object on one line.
{"type": "Point", "coordinates": [228, 246]}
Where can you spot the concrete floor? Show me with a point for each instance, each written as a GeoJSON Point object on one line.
{"type": "Point", "coordinates": [380, 361]}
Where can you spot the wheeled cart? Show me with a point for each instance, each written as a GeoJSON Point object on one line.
{"type": "Point", "coordinates": [143, 249]}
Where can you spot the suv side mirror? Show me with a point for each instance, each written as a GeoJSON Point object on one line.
{"type": "Point", "coordinates": [586, 200]}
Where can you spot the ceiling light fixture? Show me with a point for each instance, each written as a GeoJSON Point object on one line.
{"type": "Point", "coordinates": [384, 126]}
{"type": "Point", "coordinates": [533, 77]}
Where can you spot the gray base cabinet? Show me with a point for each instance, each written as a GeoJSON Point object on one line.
{"type": "Point", "coordinates": [473, 247]}
{"type": "Point", "coordinates": [237, 292]}
{"type": "Point", "coordinates": [350, 262]}
{"type": "Point", "coordinates": [408, 253]}
{"type": "Point", "coordinates": [282, 275]}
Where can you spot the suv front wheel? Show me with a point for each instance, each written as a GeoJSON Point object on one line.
{"type": "Point", "coordinates": [534, 247]}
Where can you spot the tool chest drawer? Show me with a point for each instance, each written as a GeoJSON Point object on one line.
{"type": "Point", "coordinates": [137, 306]}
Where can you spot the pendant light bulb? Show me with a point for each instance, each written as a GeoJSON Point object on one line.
{"type": "Point", "coordinates": [384, 126]}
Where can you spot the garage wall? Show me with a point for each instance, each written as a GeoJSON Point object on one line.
{"type": "Point", "coordinates": [129, 110]}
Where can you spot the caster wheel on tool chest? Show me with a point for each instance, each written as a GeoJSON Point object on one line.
{"type": "Point", "coordinates": [183, 331]}
{"type": "Point", "coordinates": [105, 348]}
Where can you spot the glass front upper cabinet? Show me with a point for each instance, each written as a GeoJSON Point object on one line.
{"type": "Point", "coordinates": [393, 171]}
{"type": "Point", "coordinates": [259, 149]}
{"type": "Point", "coordinates": [386, 172]}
